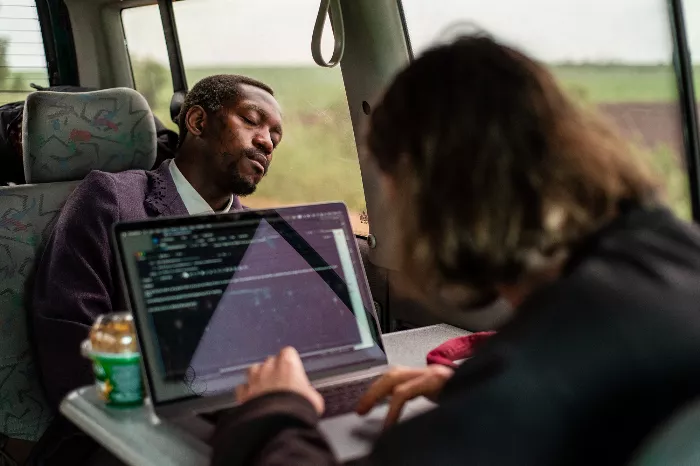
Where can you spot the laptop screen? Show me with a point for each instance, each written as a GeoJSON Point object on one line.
{"type": "Point", "coordinates": [212, 295]}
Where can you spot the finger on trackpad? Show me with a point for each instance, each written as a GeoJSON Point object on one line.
{"type": "Point", "coordinates": [371, 429]}
{"type": "Point", "coordinates": [373, 425]}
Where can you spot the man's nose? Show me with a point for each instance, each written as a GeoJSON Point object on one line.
{"type": "Point", "coordinates": [263, 142]}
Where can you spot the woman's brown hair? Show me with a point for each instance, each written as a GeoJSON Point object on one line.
{"type": "Point", "coordinates": [500, 173]}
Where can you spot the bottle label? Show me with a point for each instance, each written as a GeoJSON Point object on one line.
{"type": "Point", "coordinates": [118, 378]}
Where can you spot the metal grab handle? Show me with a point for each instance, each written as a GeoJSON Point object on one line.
{"type": "Point", "coordinates": [331, 8]}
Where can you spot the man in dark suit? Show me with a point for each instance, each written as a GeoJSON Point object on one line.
{"type": "Point", "coordinates": [229, 128]}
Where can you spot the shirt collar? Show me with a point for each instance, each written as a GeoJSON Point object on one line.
{"type": "Point", "coordinates": [193, 201]}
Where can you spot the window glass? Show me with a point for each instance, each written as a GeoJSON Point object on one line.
{"type": "Point", "coordinates": [148, 53]}
{"type": "Point", "coordinates": [614, 55]}
{"type": "Point", "coordinates": [269, 40]}
{"type": "Point", "coordinates": [692, 23]}
{"type": "Point", "coordinates": [22, 56]}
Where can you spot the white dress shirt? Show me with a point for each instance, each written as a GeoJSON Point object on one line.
{"type": "Point", "coordinates": [194, 202]}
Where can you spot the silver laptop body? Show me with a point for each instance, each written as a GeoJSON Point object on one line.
{"type": "Point", "coordinates": [213, 294]}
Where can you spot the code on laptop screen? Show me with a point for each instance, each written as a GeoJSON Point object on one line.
{"type": "Point", "coordinates": [222, 296]}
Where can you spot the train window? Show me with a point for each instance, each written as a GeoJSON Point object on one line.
{"type": "Point", "coordinates": [266, 40]}
{"type": "Point", "coordinates": [619, 61]}
{"type": "Point", "coordinates": [270, 40]}
{"type": "Point", "coordinates": [22, 56]}
{"type": "Point", "coordinates": [149, 59]}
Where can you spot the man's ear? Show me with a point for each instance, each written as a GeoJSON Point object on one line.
{"type": "Point", "coordinates": [196, 120]}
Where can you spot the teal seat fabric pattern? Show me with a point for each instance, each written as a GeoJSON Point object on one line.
{"type": "Point", "coordinates": [65, 136]}
{"type": "Point", "coordinates": [27, 214]}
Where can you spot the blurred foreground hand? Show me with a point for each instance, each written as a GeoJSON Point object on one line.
{"type": "Point", "coordinates": [402, 385]}
{"type": "Point", "coordinates": [284, 372]}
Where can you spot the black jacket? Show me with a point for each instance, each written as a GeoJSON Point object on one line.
{"type": "Point", "coordinates": [585, 370]}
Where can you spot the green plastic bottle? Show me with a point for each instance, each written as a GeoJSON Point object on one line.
{"type": "Point", "coordinates": [116, 361]}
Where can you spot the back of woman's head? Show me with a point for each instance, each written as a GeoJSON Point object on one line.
{"type": "Point", "coordinates": [499, 174]}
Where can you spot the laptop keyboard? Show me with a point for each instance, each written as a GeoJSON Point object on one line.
{"type": "Point", "coordinates": [341, 399]}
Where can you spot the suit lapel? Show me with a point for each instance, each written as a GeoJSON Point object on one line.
{"type": "Point", "coordinates": [162, 198]}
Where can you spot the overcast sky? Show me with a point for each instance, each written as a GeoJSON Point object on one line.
{"type": "Point", "coordinates": [278, 32]}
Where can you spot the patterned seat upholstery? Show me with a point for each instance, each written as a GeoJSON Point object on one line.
{"type": "Point", "coordinates": [65, 137]}
{"type": "Point", "coordinates": [26, 215]}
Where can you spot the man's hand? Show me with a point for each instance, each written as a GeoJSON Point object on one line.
{"type": "Point", "coordinates": [284, 372]}
{"type": "Point", "coordinates": [402, 385]}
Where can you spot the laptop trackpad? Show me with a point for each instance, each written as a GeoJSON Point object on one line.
{"type": "Point", "coordinates": [351, 436]}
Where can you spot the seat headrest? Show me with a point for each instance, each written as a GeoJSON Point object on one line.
{"type": "Point", "coordinates": [66, 136]}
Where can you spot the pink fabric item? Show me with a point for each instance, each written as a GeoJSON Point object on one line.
{"type": "Point", "coordinates": [457, 349]}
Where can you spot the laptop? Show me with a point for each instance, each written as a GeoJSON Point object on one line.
{"type": "Point", "coordinates": [213, 294]}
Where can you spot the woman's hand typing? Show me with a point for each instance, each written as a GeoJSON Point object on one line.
{"type": "Point", "coordinates": [402, 385]}
{"type": "Point", "coordinates": [284, 372]}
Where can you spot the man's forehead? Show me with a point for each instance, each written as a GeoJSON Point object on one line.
{"type": "Point", "coordinates": [253, 95]}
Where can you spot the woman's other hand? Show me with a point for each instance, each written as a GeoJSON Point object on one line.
{"type": "Point", "coordinates": [402, 385]}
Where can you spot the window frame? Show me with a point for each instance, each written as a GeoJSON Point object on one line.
{"type": "Point", "coordinates": [683, 67]}
{"type": "Point", "coordinates": [172, 43]}
{"type": "Point", "coordinates": [58, 41]}
{"type": "Point", "coordinates": [376, 47]}
{"type": "Point", "coordinates": [177, 64]}
{"type": "Point", "coordinates": [126, 43]}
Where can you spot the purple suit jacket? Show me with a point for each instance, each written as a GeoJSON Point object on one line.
{"type": "Point", "coordinates": [77, 279]}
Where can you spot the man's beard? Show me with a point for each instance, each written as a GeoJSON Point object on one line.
{"type": "Point", "coordinates": [240, 186]}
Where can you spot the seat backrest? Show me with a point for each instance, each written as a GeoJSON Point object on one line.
{"type": "Point", "coordinates": [65, 136]}
{"type": "Point", "coordinates": [676, 443]}
{"type": "Point", "coordinates": [26, 215]}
